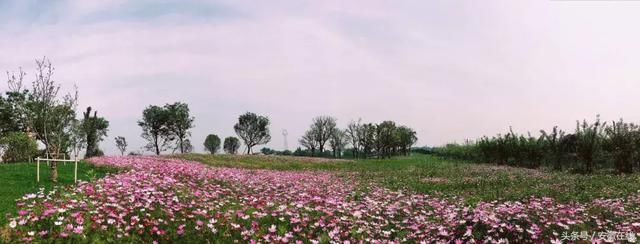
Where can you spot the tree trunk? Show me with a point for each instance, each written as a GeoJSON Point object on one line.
{"type": "Point", "coordinates": [54, 171]}
{"type": "Point", "coordinates": [157, 147]}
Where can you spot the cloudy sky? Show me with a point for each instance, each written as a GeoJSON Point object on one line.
{"type": "Point", "coordinates": [449, 69]}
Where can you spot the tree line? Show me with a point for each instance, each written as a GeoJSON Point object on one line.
{"type": "Point", "coordinates": [164, 127]}
{"type": "Point", "coordinates": [41, 113]}
{"type": "Point", "coordinates": [381, 140]}
{"type": "Point", "coordinates": [591, 146]}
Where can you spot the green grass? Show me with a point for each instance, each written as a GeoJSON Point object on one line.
{"type": "Point", "coordinates": [18, 179]}
{"type": "Point", "coordinates": [447, 178]}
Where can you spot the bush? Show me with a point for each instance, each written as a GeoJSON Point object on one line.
{"type": "Point", "coordinates": [18, 147]}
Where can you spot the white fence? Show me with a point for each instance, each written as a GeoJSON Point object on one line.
{"type": "Point", "coordinates": [75, 168]}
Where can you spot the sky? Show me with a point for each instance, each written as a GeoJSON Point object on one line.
{"type": "Point", "coordinates": [451, 70]}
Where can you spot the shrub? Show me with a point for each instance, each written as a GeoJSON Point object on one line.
{"type": "Point", "coordinates": [17, 147]}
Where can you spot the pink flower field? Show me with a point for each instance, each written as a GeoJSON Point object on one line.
{"type": "Point", "coordinates": [168, 200]}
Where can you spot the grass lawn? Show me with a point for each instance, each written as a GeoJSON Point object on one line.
{"type": "Point", "coordinates": [432, 175]}
{"type": "Point", "coordinates": [18, 179]}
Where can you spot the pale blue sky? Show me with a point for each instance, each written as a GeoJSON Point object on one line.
{"type": "Point", "coordinates": [449, 69]}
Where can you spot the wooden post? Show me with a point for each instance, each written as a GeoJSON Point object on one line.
{"type": "Point", "coordinates": [38, 170]}
{"type": "Point", "coordinates": [75, 172]}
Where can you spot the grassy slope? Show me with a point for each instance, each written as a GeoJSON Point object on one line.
{"type": "Point", "coordinates": [18, 179]}
{"type": "Point", "coordinates": [427, 174]}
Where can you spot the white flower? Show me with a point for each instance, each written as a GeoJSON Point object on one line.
{"type": "Point", "coordinates": [13, 224]}
{"type": "Point", "coordinates": [61, 210]}
{"type": "Point", "coordinates": [58, 223]}
{"type": "Point", "coordinates": [31, 233]}
{"type": "Point", "coordinates": [272, 229]}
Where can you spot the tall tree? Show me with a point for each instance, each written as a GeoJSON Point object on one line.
{"type": "Point", "coordinates": [367, 138]}
{"type": "Point", "coordinates": [309, 141]}
{"type": "Point", "coordinates": [95, 128]}
{"type": "Point", "coordinates": [353, 132]}
{"type": "Point", "coordinates": [406, 138]}
{"type": "Point", "coordinates": [253, 130]}
{"type": "Point", "coordinates": [212, 143]}
{"type": "Point", "coordinates": [179, 123]}
{"type": "Point", "coordinates": [322, 127]}
{"type": "Point", "coordinates": [121, 144]}
{"type": "Point", "coordinates": [386, 138]}
{"type": "Point", "coordinates": [155, 130]}
{"type": "Point", "coordinates": [621, 143]}
{"type": "Point", "coordinates": [589, 142]}
{"type": "Point", "coordinates": [45, 114]}
{"type": "Point", "coordinates": [338, 141]}
{"type": "Point", "coordinates": [231, 145]}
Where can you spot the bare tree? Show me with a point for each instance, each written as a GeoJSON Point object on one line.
{"type": "Point", "coordinates": [121, 144]}
{"type": "Point", "coordinates": [309, 141]}
{"type": "Point", "coordinates": [353, 133]}
{"type": "Point", "coordinates": [338, 142]}
{"type": "Point", "coordinates": [322, 127]}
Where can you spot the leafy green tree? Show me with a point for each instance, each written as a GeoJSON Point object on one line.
{"type": "Point", "coordinates": [18, 147]}
{"type": "Point", "coordinates": [589, 142]}
{"type": "Point", "coordinates": [11, 116]}
{"type": "Point", "coordinates": [621, 143]}
{"type": "Point", "coordinates": [212, 143]}
{"type": "Point", "coordinates": [406, 138]}
{"type": "Point", "coordinates": [95, 128]}
{"type": "Point", "coordinates": [367, 138]}
{"type": "Point", "coordinates": [553, 146]}
{"type": "Point", "coordinates": [179, 123]}
{"type": "Point", "coordinates": [253, 130]}
{"type": "Point", "coordinates": [386, 138]}
{"type": "Point", "coordinates": [267, 151]}
{"type": "Point", "coordinates": [121, 144]}
{"type": "Point", "coordinates": [155, 129]}
{"type": "Point", "coordinates": [231, 145]}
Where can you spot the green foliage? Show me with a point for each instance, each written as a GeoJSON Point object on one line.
{"type": "Point", "coordinates": [367, 139]}
{"type": "Point", "coordinates": [18, 147]}
{"type": "Point", "coordinates": [212, 143]}
{"type": "Point", "coordinates": [622, 145]}
{"type": "Point", "coordinates": [231, 145]}
{"type": "Point", "coordinates": [253, 130]}
{"type": "Point", "coordinates": [589, 141]}
{"type": "Point", "coordinates": [95, 128]}
{"type": "Point", "coordinates": [267, 151]}
{"type": "Point", "coordinates": [11, 115]}
{"type": "Point", "coordinates": [592, 146]}
{"type": "Point", "coordinates": [155, 128]}
{"type": "Point", "coordinates": [179, 123]}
